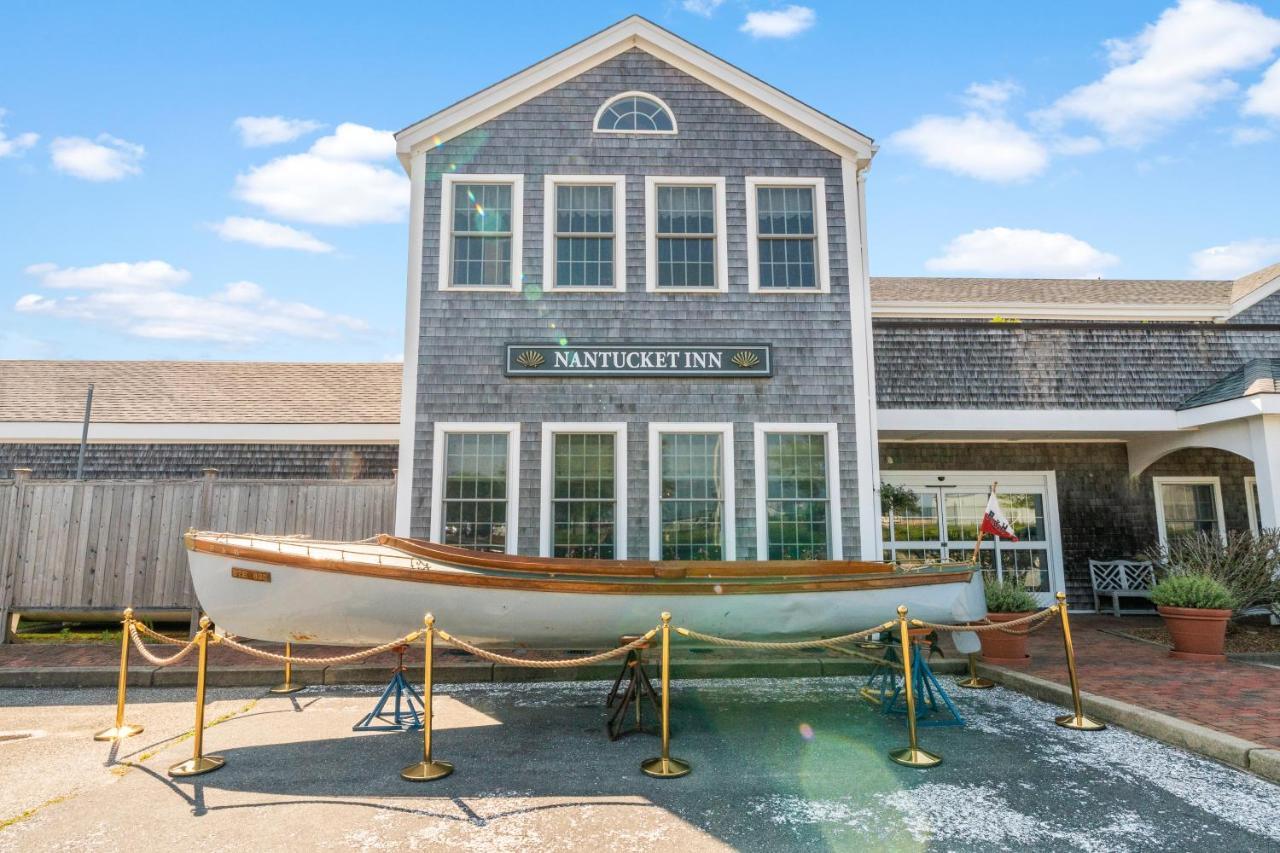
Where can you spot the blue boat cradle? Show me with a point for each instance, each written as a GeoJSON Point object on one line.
{"type": "Point", "coordinates": [934, 707]}
{"type": "Point", "coordinates": [405, 715]}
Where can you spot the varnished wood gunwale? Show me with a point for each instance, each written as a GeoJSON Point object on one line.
{"type": "Point", "coordinates": [580, 585]}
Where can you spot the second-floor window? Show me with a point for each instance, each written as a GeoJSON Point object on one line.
{"type": "Point", "coordinates": [584, 243]}
{"type": "Point", "coordinates": [481, 236]}
{"type": "Point", "coordinates": [786, 225]}
{"type": "Point", "coordinates": [686, 234]}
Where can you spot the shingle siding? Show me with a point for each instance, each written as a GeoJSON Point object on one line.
{"type": "Point", "coordinates": [1265, 311]}
{"type": "Point", "coordinates": [460, 359]}
{"type": "Point", "coordinates": [1057, 365]}
{"type": "Point", "coordinates": [1104, 514]}
{"type": "Point", "coordinates": [183, 461]}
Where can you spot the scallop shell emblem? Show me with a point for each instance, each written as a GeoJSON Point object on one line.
{"type": "Point", "coordinates": [530, 359]}
{"type": "Point", "coordinates": [745, 359]}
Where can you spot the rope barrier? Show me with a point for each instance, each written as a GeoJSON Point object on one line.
{"type": "Point", "coordinates": [153, 659]}
{"type": "Point", "coordinates": [800, 644]}
{"type": "Point", "coordinates": [494, 657]}
{"type": "Point", "coordinates": [330, 661]}
{"type": "Point", "coordinates": [155, 635]}
{"type": "Point", "coordinates": [1039, 619]}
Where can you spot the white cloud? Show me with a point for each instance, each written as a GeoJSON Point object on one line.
{"type": "Point", "coordinates": [12, 146]}
{"type": "Point", "coordinates": [1021, 252]}
{"type": "Point", "coordinates": [106, 158]}
{"type": "Point", "coordinates": [331, 184]}
{"type": "Point", "coordinates": [1233, 260]}
{"type": "Point", "coordinates": [268, 235]}
{"type": "Point", "coordinates": [990, 96]}
{"type": "Point", "coordinates": [1263, 99]}
{"type": "Point", "coordinates": [256, 131]}
{"type": "Point", "coordinates": [1171, 70]}
{"type": "Point", "coordinates": [782, 24]}
{"type": "Point", "coordinates": [142, 300]}
{"type": "Point", "coordinates": [705, 8]}
{"type": "Point", "coordinates": [989, 148]}
{"type": "Point", "coordinates": [1250, 135]}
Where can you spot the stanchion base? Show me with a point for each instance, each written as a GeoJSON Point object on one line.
{"type": "Point", "coordinates": [118, 732]}
{"type": "Point", "coordinates": [426, 771]}
{"type": "Point", "coordinates": [197, 766]}
{"type": "Point", "coordinates": [287, 687]}
{"type": "Point", "coordinates": [915, 757]}
{"type": "Point", "coordinates": [665, 768]}
{"type": "Point", "coordinates": [976, 682]}
{"type": "Point", "coordinates": [1080, 723]}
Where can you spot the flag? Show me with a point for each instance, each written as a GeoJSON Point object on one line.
{"type": "Point", "coordinates": [994, 523]}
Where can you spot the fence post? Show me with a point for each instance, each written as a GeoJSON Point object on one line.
{"type": "Point", "coordinates": [9, 554]}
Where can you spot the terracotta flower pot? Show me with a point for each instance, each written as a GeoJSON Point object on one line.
{"type": "Point", "coordinates": [999, 647]}
{"type": "Point", "coordinates": [1197, 634]}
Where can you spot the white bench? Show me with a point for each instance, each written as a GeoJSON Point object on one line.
{"type": "Point", "coordinates": [1120, 579]}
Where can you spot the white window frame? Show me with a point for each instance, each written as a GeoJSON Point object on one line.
{"type": "Point", "coordinates": [635, 93]}
{"type": "Point", "coordinates": [656, 431]}
{"type": "Point", "coordinates": [835, 518]}
{"type": "Point", "coordinates": [1250, 505]}
{"type": "Point", "coordinates": [447, 182]}
{"type": "Point", "coordinates": [619, 184]}
{"type": "Point", "coordinates": [441, 431]}
{"type": "Point", "coordinates": [822, 262]}
{"type": "Point", "coordinates": [651, 184]}
{"type": "Point", "coordinates": [1158, 483]}
{"type": "Point", "coordinates": [550, 429]}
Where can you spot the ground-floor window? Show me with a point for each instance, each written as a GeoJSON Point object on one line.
{"type": "Point", "coordinates": [943, 524]}
{"type": "Point", "coordinates": [1186, 506]}
{"type": "Point", "coordinates": [691, 491]}
{"type": "Point", "coordinates": [797, 492]}
{"type": "Point", "coordinates": [1251, 503]}
{"type": "Point", "coordinates": [584, 490]}
{"type": "Point", "coordinates": [474, 485]}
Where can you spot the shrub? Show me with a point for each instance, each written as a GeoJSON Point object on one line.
{"type": "Point", "coordinates": [1247, 565]}
{"type": "Point", "coordinates": [1196, 591]}
{"type": "Point", "coordinates": [1009, 596]}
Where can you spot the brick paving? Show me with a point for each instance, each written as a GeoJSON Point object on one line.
{"type": "Point", "coordinates": [1236, 698]}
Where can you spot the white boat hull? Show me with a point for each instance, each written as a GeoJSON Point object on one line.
{"type": "Point", "coordinates": [335, 608]}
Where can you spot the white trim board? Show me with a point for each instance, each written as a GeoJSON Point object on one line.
{"type": "Point", "coordinates": [1206, 311]}
{"type": "Point", "coordinates": [549, 430]}
{"type": "Point", "coordinates": [1159, 482]}
{"type": "Point", "coordinates": [835, 510]}
{"type": "Point", "coordinates": [412, 331]}
{"type": "Point", "coordinates": [651, 184]}
{"type": "Point", "coordinates": [549, 266]}
{"type": "Point", "coordinates": [633, 32]}
{"type": "Point", "coordinates": [444, 428]}
{"type": "Point", "coordinates": [865, 415]}
{"type": "Point", "coordinates": [822, 265]}
{"type": "Point", "coordinates": [1253, 297]}
{"type": "Point", "coordinates": [172, 433]}
{"type": "Point", "coordinates": [728, 472]}
{"type": "Point", "coordinates": [447, 180]}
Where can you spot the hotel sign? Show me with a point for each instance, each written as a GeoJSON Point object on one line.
{"type": "Point", "coordinates": [744, 360]}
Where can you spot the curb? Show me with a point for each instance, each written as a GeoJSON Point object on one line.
{"type": "Point", "coordinates": [1244, 754]}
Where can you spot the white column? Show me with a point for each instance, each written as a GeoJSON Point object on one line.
{"type": "Point", "coordinates": [1264, 435]}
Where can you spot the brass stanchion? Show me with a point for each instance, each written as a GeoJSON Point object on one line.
{"type": "Point", "coordinates": [1076, 719]}
{"type": "Point", "coordinates": [912, 755]}
{"type": "Point", "coordinates": [287, 686]}
{"type": "Point", "coordinates": [664, 766]}
{"type": "Point", "coordinates": [427, 769]}
{"type": "Point", "coordinates": [975, 681]}
{"type": "Point", "coordinates": [121, 729]}
{"type": "Point", "coordinates": [199, 762]}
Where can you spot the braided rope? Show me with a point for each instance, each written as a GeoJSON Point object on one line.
{"type": "Point", "coordinates": [155, 635]}
{"type": "Point", "coordinates": [548, 664]}
{"type": "Point", "coordinates": [799, 644]}
{"type": "Point", "coordinates": [158, 661]}
{"type": "Point", "coordinates": [330, 661]}
{"type": "Point", "coordinates": [987, 625]}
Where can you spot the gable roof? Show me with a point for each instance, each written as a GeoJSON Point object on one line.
{"type": "Point", "coordinates": [634, 32]}
{"type": "Point", "coordinates": [1257, 376]}
{"type": "Point", "coordinates": [200, 392]}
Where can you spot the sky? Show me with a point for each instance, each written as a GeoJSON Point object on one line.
{"type": "Point", "coordinates": [218, 181]}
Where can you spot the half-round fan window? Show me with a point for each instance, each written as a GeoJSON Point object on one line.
{"type": "Point", "coordinates": [635, 112]}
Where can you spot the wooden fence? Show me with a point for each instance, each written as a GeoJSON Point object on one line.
{"type": "Point", "coordinates": [102, 545]}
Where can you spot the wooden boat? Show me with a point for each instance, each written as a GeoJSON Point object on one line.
{"type": "Point", "coordinates": [369, 592]}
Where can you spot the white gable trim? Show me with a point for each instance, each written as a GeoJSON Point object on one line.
{"type": "Point", "coordinates": [633, 32]}
{"type": "Point", "coordinates": [1253, 297]}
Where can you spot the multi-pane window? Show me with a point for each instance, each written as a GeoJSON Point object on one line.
{"type": "Point", "coordinates": [635, 114]}
{"type": "Point", "coordinates": [474, 507]}
{"type": "Point", "coordinates": [686, 237]}
{"type": "Point", "coordinates": [482, 235]}
{"type": "Point", "coordinates": [786, 235]}
{"type": "Point", "coordinates": [797, 496]}
{"type": "Point", "coordinates": [584, 236]}
{"type": "Point", "coordinates": [691, 496]}
{"type": "Point", "coordinates": [1188, 508]}
{"type": "Point", "coordinates": [584, 499]}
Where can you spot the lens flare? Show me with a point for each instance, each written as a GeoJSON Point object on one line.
{"type": "Point", "coordinates": [806, 731]}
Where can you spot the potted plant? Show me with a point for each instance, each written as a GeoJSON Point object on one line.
{"type": "Point", "coordinates": [1195, 609]}
{"type": "Point", "coordinates": [1007, 600]}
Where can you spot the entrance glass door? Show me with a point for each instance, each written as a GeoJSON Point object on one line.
{"type": "Point", "coordinates": [944, 525]}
